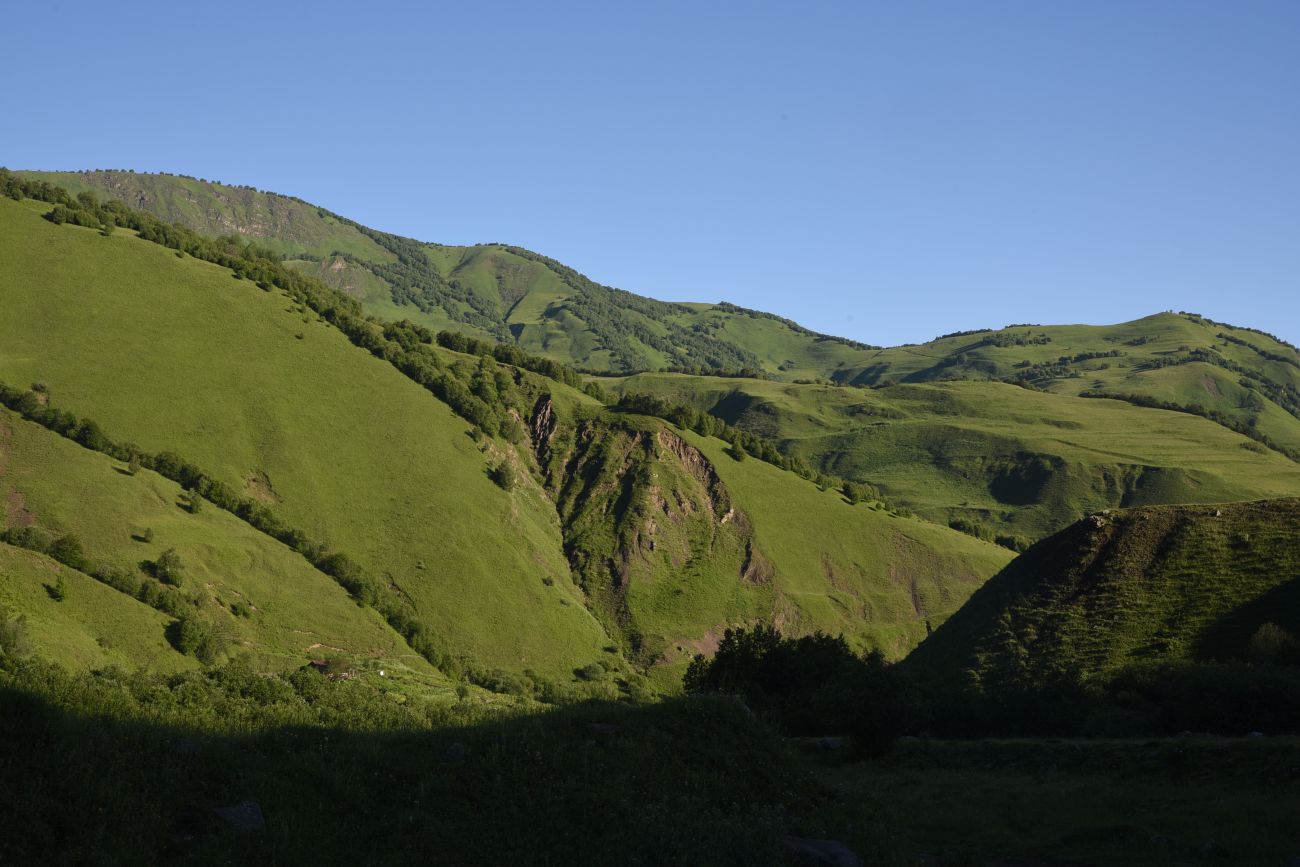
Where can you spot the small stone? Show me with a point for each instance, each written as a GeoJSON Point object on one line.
{"type": "Point", "coordinates": [820, 853]}
{"type": "Point", "coordinates": [456, 753]}
{"type": "Point", "coordinates": [245, 816]}
{"type": "Point", "coordinates": [602, 728]}
{"type": "Point", "coordinates": [830, 743]}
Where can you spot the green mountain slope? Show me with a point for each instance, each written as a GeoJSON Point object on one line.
{"type": "Point", "coordinates": [1238, 377]}
{"type": "Point", "coordinates": [1247, 376]}
{"type": "Point", "coordinates": [673, 539]}
{"type": "Point", "coordinates": [989, 453]}
{"type": "Point", "coordinates": [92, 627]}
{"type": "Point", "coordinates": [172, 354]}
{"type": "Point", "coordinates": [1152, 583]}
{"type": "Point", "coordinates": [494, 290]}
{"type": "Point", "coordinates": [571, 567]}
{"type": "Point", "coordinates": [257, 597]}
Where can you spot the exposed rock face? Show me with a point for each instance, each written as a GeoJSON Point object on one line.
{"type": "Point", "coordinates": [642, 511]}
{"type": "Point", "coordinates": [542, 429]}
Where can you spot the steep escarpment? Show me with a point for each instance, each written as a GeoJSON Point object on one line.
{"type": "Point", "coordinates": [652, 535]}
{"type": "Point", "coordinates": [673, 538]}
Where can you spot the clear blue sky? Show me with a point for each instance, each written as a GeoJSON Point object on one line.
{"type": "Point", "coordinates": [885, 171]}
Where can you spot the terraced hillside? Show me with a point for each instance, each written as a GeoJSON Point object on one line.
{"type": "Point", "coordinates": [1167, 583]}
{"type": "Point", "coordinates": [602, 547]}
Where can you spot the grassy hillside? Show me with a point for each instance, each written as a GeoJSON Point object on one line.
{"type": "Point", "coordinates": [1019, 461]}
{"type": "Point", "coordinates": [673, 540]}
{"type": "Point", "coordinates": [1193, 583]}
{"type": "Point", "coordinates": [1239, 377]}
{"type": "Point", "coordinates": [1179, 358]}
{"type": "Point", "coordinates": [172, 354]}
{"type": "Point", "coordinates": [91, 627]}
{"type": "Point", "coordinates": [260, 599]}
{"type": "Point", "coordinates": [507, 292]}
{"type": "Point", "coordinates": [610, 532]}
{"type": "Point", "coordinates": [287, 225]}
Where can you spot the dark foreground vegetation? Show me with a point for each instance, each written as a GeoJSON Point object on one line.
{"type": "Point", "coordinates": [226, 765]}
{"type": "Point", "coordinates": [817, 685]}
{"type": "Point", "coordinates": [134, 769]}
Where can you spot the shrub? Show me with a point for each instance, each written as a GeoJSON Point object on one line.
{"type": "Point", "coordinates": [809, 685]}
{"type": "Point", "coordinates": [13, 634]}
{"type": "Point", "coordinates": [67, 550]}
{"type": "Point", "coordinates": [193, 637]}
{"type": "Point", "coordinates": [168, 568]}
{"type": "Point", "coordinates": [1270, 643]}
{"type": "Point", "coordinates": [503, 476]}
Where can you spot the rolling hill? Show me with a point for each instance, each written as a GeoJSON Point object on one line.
{"type": "Point", "coordinates": [495, 290]}
{"type": "Point", "coordinates": [622, 545]}
{"type": "Point", "coordinates": [989, 454]}
{"type": "Point", "coordinates": [929, 425]}
{"type": "Point", "coordinates": [1156, 583]}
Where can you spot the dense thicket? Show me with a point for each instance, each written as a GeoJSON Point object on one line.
{"type": "Point", "coordinates": [816, 685]}
{"type": "Point", "coordinates": [811, 685]}
{"type": "Point", "coordinates": [117, 768]}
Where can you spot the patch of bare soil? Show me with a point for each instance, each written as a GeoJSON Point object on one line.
{"type": "Point", "coordinates": [259, 487]}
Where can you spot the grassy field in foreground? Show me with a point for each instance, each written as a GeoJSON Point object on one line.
{"type": "Point", "coordinates": [173, 354]}
{"type": "Point", "coordinates": [1122, 803]}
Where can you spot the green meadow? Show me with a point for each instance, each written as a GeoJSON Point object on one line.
{"type": "Point", "coordinates": [173, 354]}
{"type": "Point", "coordinates": [991, 452]}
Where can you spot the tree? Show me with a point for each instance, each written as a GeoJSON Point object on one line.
{"type": "Point", "coordinates": [1269, 643]}
{"type": "Point", "coordinates": [814, 684]}
{"type": "Point", "coordinates": [133, 465]}
{"type": "Point", "coordinates": [168, 568]}
{"type": "Point", "coordinates": [192, 636]}
{"type": "Point", "coordinates": [503, 475]}
{"type": "Point", "coordinates": [67, 550]}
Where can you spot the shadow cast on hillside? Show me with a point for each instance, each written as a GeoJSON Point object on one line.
{"type": "Point", "coordinates": [1228, 637]}
{"type": "Point", "coordinates": [678, 783]}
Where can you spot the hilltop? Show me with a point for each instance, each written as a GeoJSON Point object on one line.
{"type": "Point", "coordinates": [497, 290]}
{"type": "Point", "coordinates": [933, 427]}
{"type": "Point", "coordinates": [1159, 583]}
{"type": "Point", "coordinates": [506, 526]}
